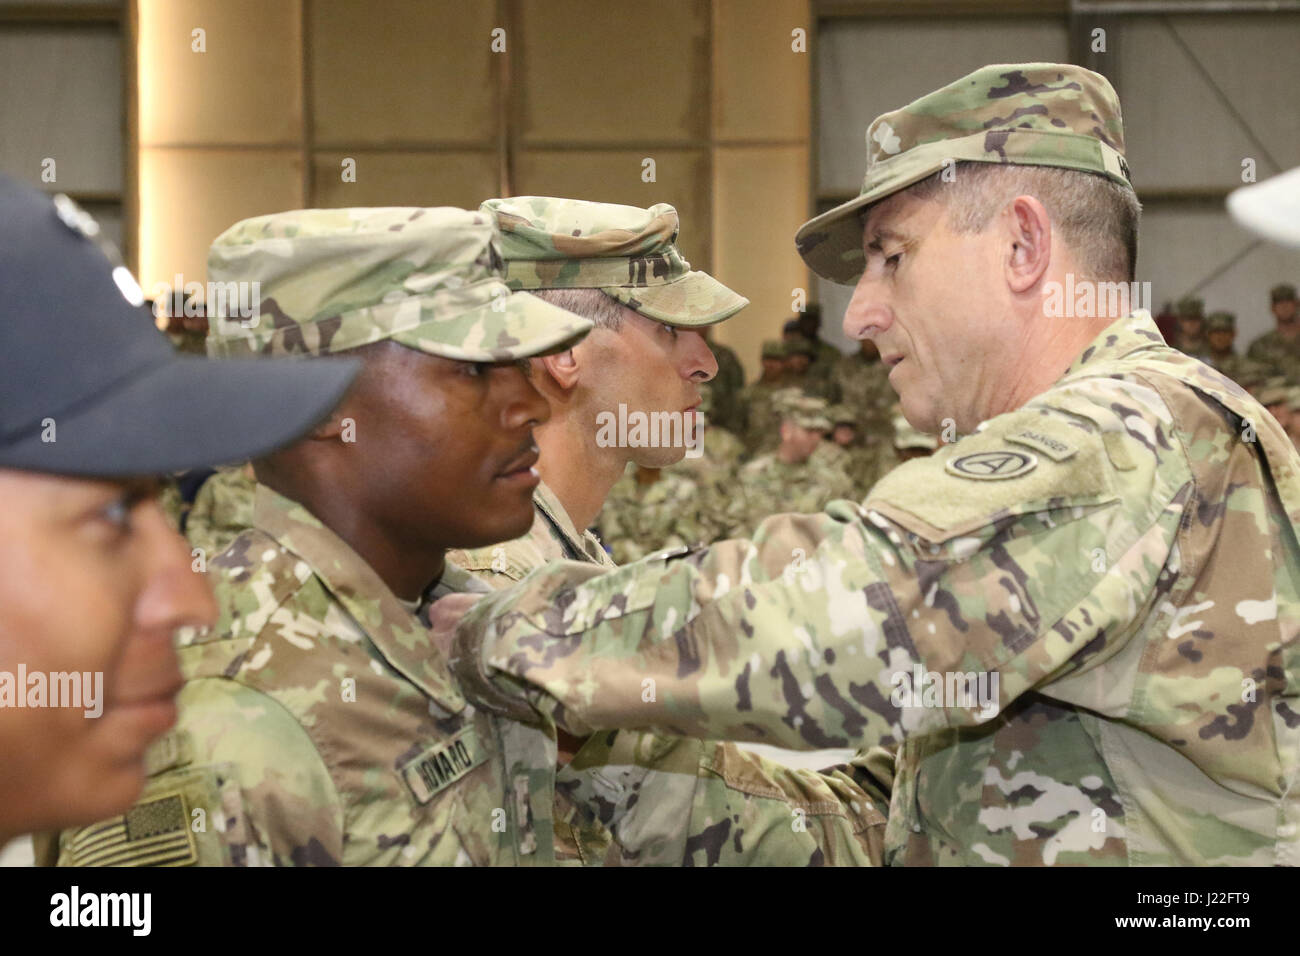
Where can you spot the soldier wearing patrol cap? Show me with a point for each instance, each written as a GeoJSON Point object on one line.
{"type": "Point", "coordinates": [318, 723]}
{"type": "Point", "coordinates": [620, 266]}
{"type": "Point", "coordinates": [1093, 589]}
{"type": "Point", "coordinates": [1279, 348]}
{"type": "Point", "coordinates": [1220, 333]}
{"type": "Point", "coordinates": [760, 417]}
{"type": "Point", "coordinates": [793, 477]}
{"type": "Point", "coordinates": [94, 404]}
{"type": "Point", "coordinates": [1190, 338]}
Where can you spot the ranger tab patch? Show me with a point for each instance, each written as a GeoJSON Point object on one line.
{"type": "Point", "coordinates": [443, 764]}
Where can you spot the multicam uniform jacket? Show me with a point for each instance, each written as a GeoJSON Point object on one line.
{"type": "Point", "coordinates": [1120, 553]}
{"type": "Point", "coordinates": [634, 799]}
{"type": "Point", "coordinates": [319, 725]}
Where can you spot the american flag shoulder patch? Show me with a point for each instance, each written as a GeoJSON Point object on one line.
{"type": "Point", "coordinates": [155, 832]}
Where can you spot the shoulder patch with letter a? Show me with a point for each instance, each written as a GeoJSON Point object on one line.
{"type": "Point", "coordinates": [443, 764]}
{"type": "Point", "coordinates": [993, 465]}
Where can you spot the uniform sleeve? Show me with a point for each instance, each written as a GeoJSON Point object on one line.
{"type": "Point", "coordinates": [684, 802]}
{"type": "Point", "coordinates": [242, 786]}
{"type": "Point", "coordinates": [1014, 560]}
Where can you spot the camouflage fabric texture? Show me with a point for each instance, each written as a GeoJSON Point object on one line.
{"type": "Point", "coordinates": [1032, 114]}
{"type": "Point", "coordinates": [1278, 354]}
{"type": "Point", "coordinates": [330, 280]}
{"type": "Point", "coordinates": [1120, 551]}
{"type": "Point", "coordinates": [629, 253]}
{"type": "Point", "coordinates": [642, 517]}
{"type": "Point", "coordinates": [319, 726]}
{"type": "Point", "coordinates": [863, 386]}
{"type": "Point", "coordinates": [222, 510]}
{"type": "Point", "coordinates": [723, 390]}
{"type": "Point", "coordinates": [767, 486]}
{"type": "Point", "coordinates": [633, 799]}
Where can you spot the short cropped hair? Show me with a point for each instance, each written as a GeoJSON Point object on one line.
{"type": "Point", "coordinates": [592, 304]}
{"type": "Point", "coordinates": [1097, 218]}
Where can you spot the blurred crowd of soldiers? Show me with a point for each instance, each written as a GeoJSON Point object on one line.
{"type": "Point", "coordinates": [1270, 368]}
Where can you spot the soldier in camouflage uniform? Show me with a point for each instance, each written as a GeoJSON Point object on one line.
{"type": "Point", "coordinates": [843, 449]}
{"type": "Point", "coordinates": [826, 356]}
{"type": "Point", "coordinates": [907, 443]}
{"type": "Point", "coordinates": [724, 388]}
{"type": "Point", "coordinates": [713, 470]}
{"type": "Point", "coordinates": [318, 723]}
{"type": "Point", "coordinates": [222, 510]}
{"type": "Point", "coordinates": [93, 579]}
{"type": "Point", "coordinates": [863, 383]}
{"type": "Point", "coordinates": [649, 510]}
{"type": "Point", "coordinates": [1190, 339]}
{"type": "Point", "coordinates": [679, 797]}
{"type": "Point", "coordinates": [1279, 348]}
{"type": "Point", "coordinates": [760, 415]}
{"type": "Point", "coordinates": [790, 478]}
{"type": "Point", "coordinates": [1220, 332]}
{"type": "Point", "coordinates": [1102, 548]}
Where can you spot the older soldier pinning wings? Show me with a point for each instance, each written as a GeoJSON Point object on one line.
{"type": "Point", "coordinates": [1109, 552]}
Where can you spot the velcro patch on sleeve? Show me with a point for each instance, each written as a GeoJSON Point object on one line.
{"type": "Point", "coordinates": [441, 765]}
{"type": "Point", "coordinates": [989, 475]}
{"type": "Point", "coordinates": [1055, 447]}
{"type": "Point", "coordinates": [155, 832]}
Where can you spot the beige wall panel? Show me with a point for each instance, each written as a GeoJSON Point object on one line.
{"type": "Point", "coordinates": [759, 200]}
{"type": "Point", "coordinates": [247, 86]}
{"type": "Point", "coordinates": [1179, 133]}
{"type": "Point", "coordinates": [188, 197]}
{"type": "Point", "coordinates": [390, 71]}
{"type": "Point", "coordinates": [407, 179]}
{"type": "Point", "coordinates": [63, 102]}
{"type": "Point", "coordinates": [760, 86]}
{"type": "Point", "coordinates": [682, 179]}
{"type": "Point", "coordinates": [614, 71]}
{"type": "Point", "coordinates": [868, 67]}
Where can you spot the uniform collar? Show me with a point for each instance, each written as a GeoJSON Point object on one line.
{"type": "Point", "coordinates": [1122, 337]}
{"type": "Point", "coordinates": [396, 633]}
{"type": "Point", "coordinates": [549, 505]}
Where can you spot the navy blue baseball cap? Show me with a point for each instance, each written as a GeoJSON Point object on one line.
{"type": "Point", "coordinates": [90, 387]}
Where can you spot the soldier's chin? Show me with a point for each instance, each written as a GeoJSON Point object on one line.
{"type": "Point", "coordinates": [658, 457]}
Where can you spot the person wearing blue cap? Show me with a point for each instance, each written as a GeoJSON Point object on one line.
{"type": "Point", "coordinates": [93, 581]}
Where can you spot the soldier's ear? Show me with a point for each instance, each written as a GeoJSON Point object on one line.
{"type": "Point", "coordinates": [1029, 231]}
{"type": "Point", "coordinates": [562, 367]}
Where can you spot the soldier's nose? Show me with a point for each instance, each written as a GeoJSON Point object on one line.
{"type": "Point", "coordinates": [868, 313]}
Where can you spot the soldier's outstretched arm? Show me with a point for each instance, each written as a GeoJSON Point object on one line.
{"type": "Point", "coordinates": [825, 628]}
{"type": "Point", "coordinates": [677, 801]}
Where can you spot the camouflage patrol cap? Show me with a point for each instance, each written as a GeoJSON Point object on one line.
{"type": "Point", "coordinates": [1190, 307]}
{"type": "Point", "coordinates": [905, 436]}
{"type": "Point", "coordinates": [806, 411]}
{"type": "Point", "coordinates": [1029, 114]}
{"type": "Point", "coordinates": [800, 347]}
{"type": "Point", "coordinates": [1282, 293]}
{"type": "Point", "coordinates": [1221, 322]}
{"type": "Point", "coordinates": [772, 349]}
{"type": "Point", "coordinates": [330, 280]}
{"type": "Point", "coordinates": [842, 415]}
{"type": "Point", "coordinates": [626, 252]}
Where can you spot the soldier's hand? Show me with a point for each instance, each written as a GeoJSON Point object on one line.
{"type": "Point", "coordinates": [444, 614]}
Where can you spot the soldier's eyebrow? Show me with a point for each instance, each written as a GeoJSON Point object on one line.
{"type": "Point", "coordinates": [874, 241]}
